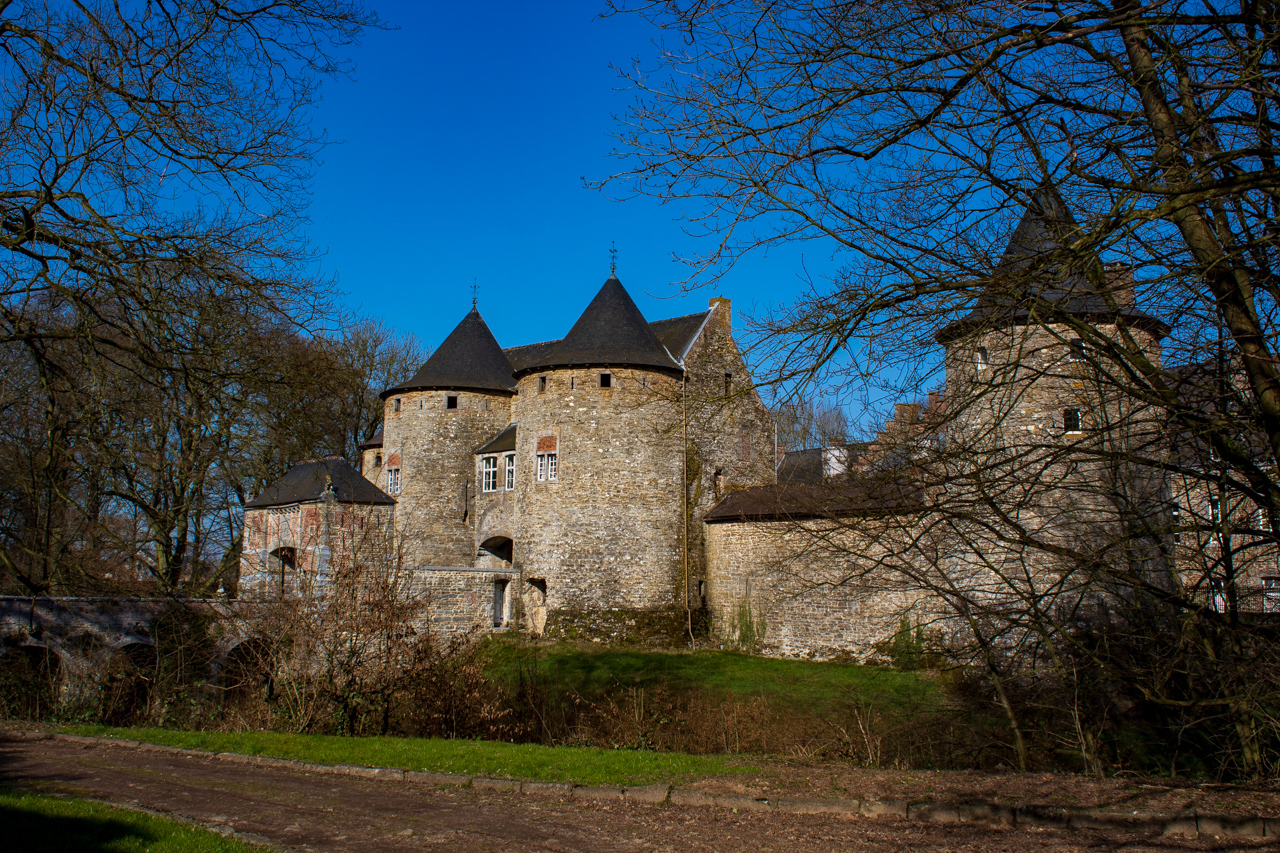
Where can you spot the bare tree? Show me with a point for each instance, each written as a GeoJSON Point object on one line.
{"type": "Point", "coordinates": [912, 137]}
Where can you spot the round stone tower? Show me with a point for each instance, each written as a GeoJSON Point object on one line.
{"type": "Point", "coordinates": [431, 425]}
{"type": "Point", "coordinates": [1020, 365]}
{"type": "Point", "coordinates": [600, 456]}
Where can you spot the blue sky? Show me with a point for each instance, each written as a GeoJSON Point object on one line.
{"type": "Point", "coordinates": [460, 148]}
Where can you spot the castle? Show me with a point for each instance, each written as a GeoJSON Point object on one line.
{"type": "Point", "coordinates": [624, 482]}
{"type": "Point", "coordinates": [559, 487]}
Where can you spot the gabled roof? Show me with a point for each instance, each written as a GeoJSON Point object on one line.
{"type": "Point", "coordinates": [307, 482]}
{"type": "Point", "coordinates": [611, 332]}
{"type": "Point", "coordinates": [678, 333]}
{"type": "Point", "coordinates": [1038, 270]}
{"type": "Point", "coordinates": [503, 442]}
{"type": "Point", "coordinates": [468, 360]}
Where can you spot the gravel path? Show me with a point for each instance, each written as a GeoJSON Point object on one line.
{"type": "Point", "coordinates": [332, 813]}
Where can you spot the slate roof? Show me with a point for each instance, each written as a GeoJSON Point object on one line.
{"type": "Point", "coordinates": [503, 442]}
{"type": "Point", "coordinates": [797, 501]}
{"type": "Point", "coordinates": [1031, 273]}
{"type": "Point", "coordinates": [611, 332]}
{"type": "Point", "coordinates": [468, 360]}
{"type": "Point", "coordinates": [677, 334]}
{"type": "Point", "coordinates": [372, 441]}
{"type": "Point", "coordinates": [306, 482]}
{"type": "Point", "coordinates": [801, 466]}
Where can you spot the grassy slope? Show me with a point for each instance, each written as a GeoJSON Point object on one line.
{"type": "Point", "coordinates": [806, 685]}
{"type": "Point", "coordinates": [34, 823]}
{"type": "Point", "coordinates": [466, 757]}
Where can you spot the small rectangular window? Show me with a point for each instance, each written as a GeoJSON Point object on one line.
{"type": "Point", "coordinates": [542, 467]}
{"type": "Point", "coordinates": [606, 380]}
{"type": "Point", "coordinates": [1215, 510]}
{"type": "Point", "coordinates": [1075, 351]}
{"type": "Point", "coordinates": [728, 384]}
{"type": "Point", "coordinates": [1176, 512]}
{"type": "Point", "coordinates": [451, 401]}
{"type": "Point", "coordinates": [1071, 421]}
{"type": "Point", "coordinates": [395, 405]}
{"type": "Point", "coordinates": [393, 481]}
{"type": "Point", "coordinates": [551, 466]}
{"type": "Point", "coordinates": [511, 471]}
{"type": "Point", "coordinates": [489, 473]}
{"type": "Point", "coordinates": [981, 359]}
{"type": "Point", "coordinates": [542, 384]}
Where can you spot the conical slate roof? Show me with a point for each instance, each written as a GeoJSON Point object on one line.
{"type": "Point", "coordinates": [1039, 270]}
{"type": "Point", "coordinates": [468, 360]}
{"type": "Point", "coordinates": [611, 332]}
{"type": "Point", "coordinates": [307, 482]}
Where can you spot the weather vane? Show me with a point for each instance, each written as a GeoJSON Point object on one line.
{"type": "Point", "coordinates": [613, 257]}
{"type": "Point", "coordinates": [475, 285]}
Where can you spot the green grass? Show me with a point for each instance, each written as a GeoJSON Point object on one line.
{"type": "Point", "coordinates": [34, 823]}
{"type": "Point", "coordinates": [808, 686]}
{"type": "Point", "coordinates": [584, 765]}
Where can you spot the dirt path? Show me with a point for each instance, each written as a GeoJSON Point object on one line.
{"type": "Point", "coordinates": [333, 813]}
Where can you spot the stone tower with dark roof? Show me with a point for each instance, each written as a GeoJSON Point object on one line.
{"type": "Point", "coordinates": [431, 425]}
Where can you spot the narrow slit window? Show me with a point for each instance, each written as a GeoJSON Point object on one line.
{"type": "Point", "coordinates": [377, 460]}
{"type": "Point", "coordinates": [542, 384]}
{"type": "Point", "coordinates": [1071, 421]}
{"type": "Point", "coordinates": [451, 401]}
{"type": "Point", "coordinates": [395, 405]}
{"type": "Point", "coordinates": [981, 359]}
{"type": "Point", "coordinates": [510, 471]}
{"type": "Point", "coordinates": [728, 384]}
{"type": "Point", "coordinates": [606, 380]}
{"type": "Point", "coordinates": [1215, 510]}
{"type": "Point", "coordinates": [489, 473]}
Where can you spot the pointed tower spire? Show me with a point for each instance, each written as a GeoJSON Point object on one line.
{"type": "Point", "coordinates": [1037, 271]}
{"type": "Point", "coordinates": [611, 332]}
{"type": "Point", "coordinates": [468, 360]}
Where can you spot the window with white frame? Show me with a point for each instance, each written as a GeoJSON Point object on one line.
{"type": "Point", "coordinates": [547, 465]}
{"type": "Point", "coordinates": [393, 481]}
{"type": "Point", "coordinates": [1215, 510]}
{"type": "Point", "coordinates": [489, 473]}
{"type": "Point", "coordinates": [510, 466]}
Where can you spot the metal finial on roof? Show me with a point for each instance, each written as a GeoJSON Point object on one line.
{"type": "Point", "coordinates": [475, 285]}
{"type": "Point", "coordinates": [613, 257]}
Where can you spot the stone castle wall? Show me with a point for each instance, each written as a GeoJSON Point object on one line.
{"type": "Point", "coordinates": [460, 598]}
{"type": "Point", "coordinates": [731, 432]}
{"type": "Point", "coordinates": [791, 589]}
{"type": "Point", "coordinates": [607, 532]}
{"type": "Point", "coordinates": [433, 448]}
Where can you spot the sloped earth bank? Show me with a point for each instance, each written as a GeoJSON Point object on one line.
{"type": "Point", "coordinates": [325, 812]}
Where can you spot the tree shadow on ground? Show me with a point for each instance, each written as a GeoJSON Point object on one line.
{"type": "Point", "coordinates": [34, 832]}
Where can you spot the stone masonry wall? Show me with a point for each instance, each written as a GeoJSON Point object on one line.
{"type": "Point", "coordinates": [731, 432]}
{"type": "Point", "coordinates": [786, 588]}
{"type": "Point", "coordinates": [433, 447]}
{"type": "Point", "coordinates": [461, 599]}
{"type": "Point", "coordinates": [606, 533]}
